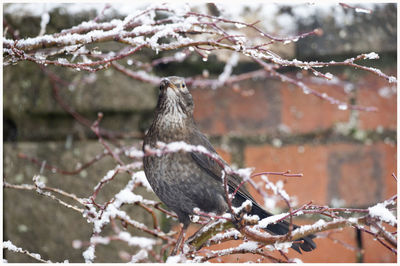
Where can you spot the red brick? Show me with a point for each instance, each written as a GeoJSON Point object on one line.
{"type": "Point", "coordinates": [331, 250]}
{"type": "Point", "coordinates": [390, 166]}
{"type": "Point", "coordinates": [227, 110]}
{"type": "Point", "coordinates": [341, 247]}
{"type": "Point", "coordinates": [374, 251]}
{"type": "Point", "coordinates": [305, 112]}
{"type": "Point", "coordinates": [368, 95]}
{"type": "Point", "coordinates": [272, 103]}
{"type": "Point", "coordinates": [356, 173]}
{"type": "Point", "coordinates": [224, 154]}
{"type": "Point", "coordinates": [312, 186]}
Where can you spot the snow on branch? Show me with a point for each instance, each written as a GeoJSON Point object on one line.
{"type": "Point", "coordinates": [11, 247]}
{"type": "Point", "coordinates": [180, 30]}
{"type": "Point", "coordinates": [185, 33]}
{"type": "Point", "coordinates": [234, 225]}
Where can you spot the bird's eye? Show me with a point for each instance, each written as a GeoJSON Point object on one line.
{"type": "Point", "coordinates": [183, 85]}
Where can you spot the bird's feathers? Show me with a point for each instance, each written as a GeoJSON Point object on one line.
{"type": "Point", "coordinates": [213, 169]}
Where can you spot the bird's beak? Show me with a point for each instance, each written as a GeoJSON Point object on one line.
{"type": "Point", "coordinates": [165, 83]}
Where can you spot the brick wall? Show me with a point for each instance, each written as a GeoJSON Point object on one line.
{"type": "Point", "coordinates": [278, 128]}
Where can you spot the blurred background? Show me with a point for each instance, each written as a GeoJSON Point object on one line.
{"type": "Point", "coordinates": [347, 157]}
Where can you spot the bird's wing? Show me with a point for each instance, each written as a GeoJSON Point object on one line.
{"type": "Point", "coordinates": [212, 168]}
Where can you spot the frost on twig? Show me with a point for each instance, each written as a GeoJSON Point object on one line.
{"type": "Point", "coordinates": [177, 34]}
{"type": "Point", "coordinates": [11, 247]}
{"type": "Point", "coordinates": [235, 226]}
{"type": "Point", "coordinates": [180, 31]}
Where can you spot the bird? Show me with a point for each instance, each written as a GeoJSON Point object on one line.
{"type": "Point", "coordinates": [184, 181]}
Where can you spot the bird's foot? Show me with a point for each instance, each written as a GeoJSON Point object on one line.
{"type": "Point", "coordinates": [181, 237]}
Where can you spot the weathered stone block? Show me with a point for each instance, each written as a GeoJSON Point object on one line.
{"type": "Point", "coordinates": [349, 32]}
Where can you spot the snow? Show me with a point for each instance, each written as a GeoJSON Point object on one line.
{"type": "Point", "coordinates": [37, 179]}
{"type": "Point", "coordinates": [142, 242]}
{"type": "Point", "coordinates": [227, 215]}
{"type": "Point", "coordinates": [270, 201]}
{"type": "Point", "coordinates": [337, 203]}
{"type": "Point", "coordinates": [124, 196]}
{"type": "Point", "coordinates": [249, 246]}
{"type": "Point", "coordinates": [43, 23]}
{"type": "Point", "coordinates": [353, 220]}
{"type": "Point", "coordinates": [228, 234]}
{"type": "Point", "coordinates": [176, 146]}
{"type": "Point", "coordinates": [270, 220]}
{"type": "Point", "coordinates": [62, 60]}
{"type": "Point", "coordinates": [276, 188]}
{"type": "Point", "coordinates": [140, 177]}
{"type": "Point", "coordinates": [392, 79]}
{"type": "Point", "coordinates": [372, 55]}
{"type": "Point", "coordinates": [88, 254]}
{"type": "Point", "coordinates": [100, 240]}
{"type": "Point", "coordinates": [110, 212]}
{"type": "Point", "coordinates": [194, 218]}
{"type": "Point", "coordinates": [306, 90]}
{"type": "Point", "coordinates": [363, 10]}
{"type": "Point", "coordinates": [180, 146]}
{"type": "Point", "coordinates": [180, 56]}
{"type": "Point", "coordinates": [244, 205]}
{"type": "Point", "coordinates": [226, 73]}
{"type": "Point", "coordinates": [318, 225]}
{"type": "Point", "coordinates": [276, 142]}
{"type": "Point", "coordinates": [328, 75]}
{"type": "Point", "coordinates": [284, 246]}
{"type": "Point", "coordinates": [245, 173]}
{"type": "Point", "coordinates": [141, 255]}
{"type": "Point", "coordinates": [381, 212]}
{"type": "Point", "coordinates": [127, 196]}
{"type": "Point", "coordinates": [10, 246]}
{"type": "Point", "coordinates": [36, 256]}
{"type": "Point", "coordinates": [251, 218]}
{"type": "Point", "coordinates": [77, 244]}
{"type": "Point", "coordinates": [180, 258]}
{"type": "Point", "coordinates": [387, 92]}
{"type": "Point", "coordinates": [239, 25]}
{"type": "Point", "coordinates": [269, 16]}
{"type": "Point", "coordinates": [110, 174]}
{"type": "Point", "coordinates": [297, 260]}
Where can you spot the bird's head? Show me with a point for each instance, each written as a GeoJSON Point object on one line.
{"type": "Point", "coordinates": [175, 97]}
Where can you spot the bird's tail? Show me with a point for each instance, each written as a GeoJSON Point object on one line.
{"type": "Point", "coordinates": [282, 228]}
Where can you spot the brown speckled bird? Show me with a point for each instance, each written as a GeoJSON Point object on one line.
{"type": "Point", "coordinates": [184, 181]}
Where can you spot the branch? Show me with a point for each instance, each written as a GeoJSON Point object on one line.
{"type": "Point", "coordinates": [11, 247]}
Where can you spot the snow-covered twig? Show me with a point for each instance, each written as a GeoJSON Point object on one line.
{"type": "Point", "coordinates": [180, 30]}
{"type": "Point", "coordinates": [220, 228]}
{"type": "Point", "coordinates": [11, 247]}
{"type": "Point", "coordinates": [46, 191]}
